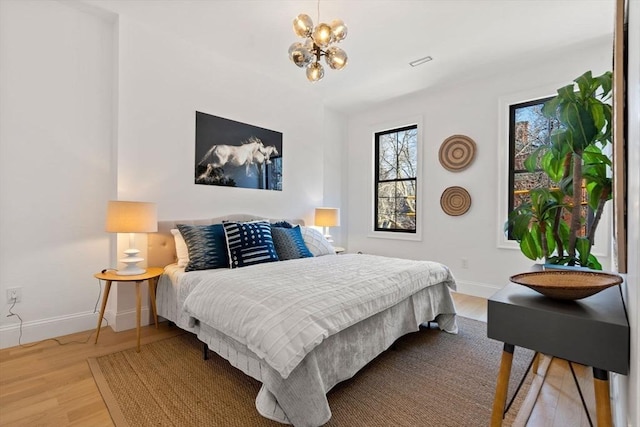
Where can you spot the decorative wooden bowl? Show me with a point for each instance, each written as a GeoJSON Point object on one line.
{"type": "Point", "coordinates": [565, 284]}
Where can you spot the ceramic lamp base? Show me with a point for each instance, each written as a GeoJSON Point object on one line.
{"type": "Point", "coordinates": [130, 261]}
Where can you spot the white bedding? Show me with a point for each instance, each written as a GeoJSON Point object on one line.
{"type": "Point", "coordinates": [339, 335]}
{"type": "Point", "coordinates": [310, 299]}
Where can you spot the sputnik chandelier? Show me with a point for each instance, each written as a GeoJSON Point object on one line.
{"type": "Point", "coordinates": [318, 43]}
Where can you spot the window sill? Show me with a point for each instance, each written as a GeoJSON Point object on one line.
{"type": "Point", "coordinates": [411, 237]}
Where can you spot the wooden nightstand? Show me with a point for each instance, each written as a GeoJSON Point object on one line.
{"type": "Point", "coordinates": [152, 274]}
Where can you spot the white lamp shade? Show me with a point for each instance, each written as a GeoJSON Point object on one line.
{"type": "Point", "coordinates": [327, 217]}
{"type": "Point", "coordinates": [131, 217]}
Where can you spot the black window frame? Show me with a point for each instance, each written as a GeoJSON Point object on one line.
{"type": "Point", "coordinates": [512, 148]}
{"type": "Point", "coordinates": [377, 180]}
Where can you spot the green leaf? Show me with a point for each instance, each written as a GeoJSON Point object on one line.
{"type": "Point", "coordinates": [566, 185]}
{"type": "Point", "coordinates": [586, 83]}
{"type": "Point", "coordinates": [597, 114]}
{"type": "Point", "coordinates": [593, 263]}
{"type": "Point", "coordinates": [553, 165]}
{"type": "Point", "coordinates": [594, 192]}
{"type": "Point", "coordinates": [583, 246]}
{"type": "Point", "coordinates": [551, 242]}
{"type": "Point", "coordinates": [531, 162]}
{"type": "Point", "coordinates": [529, 248]}
{"type": "Point", "coordinates": [550, 108]}
{"type": "Point", "coordinates": [567, 94]}
{"type": "Point", "coordinates": [580, 122]}
{"type": "Point", "coordinates": [558, 138]}
{"type": "Point", "coordinates": [564, 231]}
{"type": "Point", "coordinates": [592, 157]}
{"type": "Point", "coordinates": [519, 225]}
{"type": "Point", "coordinates": [605, 82]}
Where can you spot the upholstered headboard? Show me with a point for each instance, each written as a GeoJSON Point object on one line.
{"type": "Point", "coordinates": [161, 248]}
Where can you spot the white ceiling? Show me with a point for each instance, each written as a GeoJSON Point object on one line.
{"type": "Point", "coordinates": [462, 36]}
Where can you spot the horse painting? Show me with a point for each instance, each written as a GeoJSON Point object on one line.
{"type": "Point", "coordinates": [264, 156]}
{"type": "Point", "coordinates": [235, 155]}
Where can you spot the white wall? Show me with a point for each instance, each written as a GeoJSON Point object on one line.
{"type": "Point", "coordinates": [163, 82]}
{"type": "Point", "coordinates": [335, 171]}
{"type": "Point", "coordinates": [56, 86]}
{"type": "Point", "coordinates": [95, 109]}
{"type": "Point", "coordinates": [469, 108]}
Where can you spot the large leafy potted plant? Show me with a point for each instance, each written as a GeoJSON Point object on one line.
{"type": "Point", "coordinates": [555, 224]}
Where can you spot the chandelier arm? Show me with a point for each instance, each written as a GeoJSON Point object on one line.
{"type": "Point", "coordinates": [318, 52]}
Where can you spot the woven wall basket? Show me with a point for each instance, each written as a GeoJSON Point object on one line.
{"type": "Point", "coordinates": [455, 201]}
{"type": "Point", "coordinates": [457, 152]}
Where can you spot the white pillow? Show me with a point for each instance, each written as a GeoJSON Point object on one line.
{"type": "Point", "coordinates": [181, 248]}
{"type": "Point", "coordinates": [316, 242]}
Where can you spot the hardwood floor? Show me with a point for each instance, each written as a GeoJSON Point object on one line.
{"type": "Point", "coordinates": [49, 384]}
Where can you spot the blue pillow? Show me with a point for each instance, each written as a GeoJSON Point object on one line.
{"type": "Point", "coordinates": [206, 245]}
{"type": "Point", "coordinates": [289, 243]}
{"type": "Point", "coordinates": [282, 224]}
{"type": "Point", "coordinates": [249, 243]}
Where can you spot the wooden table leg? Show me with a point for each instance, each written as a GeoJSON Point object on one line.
{"type": "Point", "coordinates": [138, 309]}
{"type": "Point", "coordinates": [603, 402]}
{"type": "Point", "coordinates": [107, 288]}
{"type": "Point", "coordinates": [153, 283]}
{"type": "Point", "coordinates": [502, 385]}
{"type": "Point", "coordinates": [536, 363]}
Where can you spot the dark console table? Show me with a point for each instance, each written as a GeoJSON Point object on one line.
{"type": "Point", "coordinates": [593, 331]}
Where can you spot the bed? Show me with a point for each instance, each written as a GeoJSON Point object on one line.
{"type": "Point", "coordinates": [300, 326]}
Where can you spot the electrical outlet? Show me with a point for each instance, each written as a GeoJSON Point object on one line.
{"type": "Point", "coordinates": [14, 295]}
{"type": "Point", "coordinates": [464, 263]}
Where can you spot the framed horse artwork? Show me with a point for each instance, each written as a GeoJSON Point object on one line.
{"type": "Point", "coordinates": [235, 154]}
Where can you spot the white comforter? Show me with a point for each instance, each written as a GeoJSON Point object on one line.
{"type": "Point", "coordinates": [281, 311]}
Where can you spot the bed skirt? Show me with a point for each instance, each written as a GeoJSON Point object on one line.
{"type": "Point", "coordinates": [301, 398]}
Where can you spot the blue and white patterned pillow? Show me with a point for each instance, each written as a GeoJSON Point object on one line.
{"type": "Point", "coordinates": [249, 243]}
{"type": "Point", "coordinates": [207, 246]}
{"type": "Point", "coordinates": [289, 243]}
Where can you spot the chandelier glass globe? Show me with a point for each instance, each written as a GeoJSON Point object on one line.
{"type": "Point", "coordinates": [336, 58]}
{"type": "Point", "coordinates": [315, 72]}
{"type": "Point", "coordinates": [318, 42]}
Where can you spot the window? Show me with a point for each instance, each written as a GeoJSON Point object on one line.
{"type": "Point", "coordinates": [396, 166]}
{"type": "Point", "coordinates": [529, 130]}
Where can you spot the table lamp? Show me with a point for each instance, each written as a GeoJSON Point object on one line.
{"type": "Point", "coordinates": [131, 217]}
{"type": "Point", "coordinates": [327, 217]}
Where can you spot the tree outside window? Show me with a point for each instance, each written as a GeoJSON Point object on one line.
{"type": "Point", "coordinates": [396, 153]}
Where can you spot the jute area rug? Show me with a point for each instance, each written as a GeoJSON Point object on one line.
{"type": "Point", "coordinates": [429, 378]}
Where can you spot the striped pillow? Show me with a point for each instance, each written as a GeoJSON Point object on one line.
{"type": "Point", "coordinates": [249, 243]}
{"type": "Point", "coordinates": [206, 245]}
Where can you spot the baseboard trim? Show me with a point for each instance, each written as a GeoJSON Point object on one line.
{"type": "Point", "coordinates": [42, 329]}
{"type": "Point", "coordinates": [476, 289]}
{"type": "Point", "coordinates": [125, 320]}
